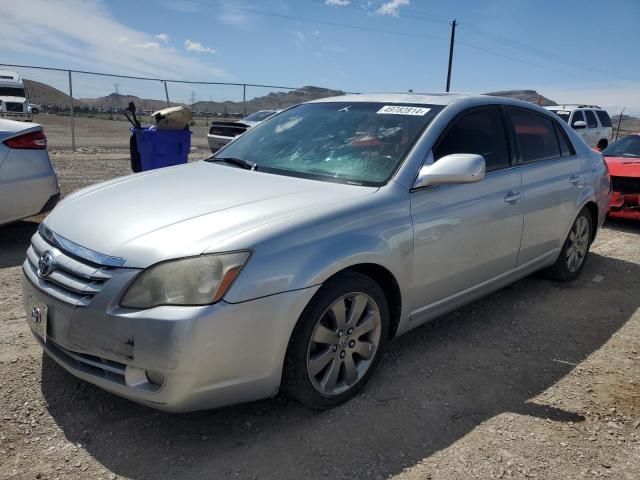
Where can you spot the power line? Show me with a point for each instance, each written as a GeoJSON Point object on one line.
{"type": "Point", "coordinates": [510, 42]}
{"type": "Point", "coordinates": [474, 29]}
{"type": "Point", "coordinates": [311, 20]}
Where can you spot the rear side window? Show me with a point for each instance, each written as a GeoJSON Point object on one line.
{"type": "Point", "coordinates": [481, 132]}
{"type": "Point", "coordinates": [536, 136]}
{"type": "Point", "coordinates": [591, 119]}
{"type": "Point", "coordinates": [566, 149]}
{"type": "Point", "coordinates": [604, 118]}
{"type": "Point", "coordinates": [577, 117]}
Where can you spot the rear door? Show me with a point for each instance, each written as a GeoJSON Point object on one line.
{"type": "Point", "coordinates": [467, 234]}
{"type": "Point", "coordinates": [552, 181]}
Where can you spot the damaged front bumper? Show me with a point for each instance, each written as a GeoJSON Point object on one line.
{"type": "Point", "coordinates": [170, 358]}
{"type": "Point", "coordinates": [625, 205]}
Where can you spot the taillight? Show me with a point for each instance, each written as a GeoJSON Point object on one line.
{"type": "Point", "coordinates": [31, 141]}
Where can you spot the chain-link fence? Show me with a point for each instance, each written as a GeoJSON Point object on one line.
{"type": "Point", "coordinates": [84, 110]}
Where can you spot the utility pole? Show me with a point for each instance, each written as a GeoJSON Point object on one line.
{"type": "Point", "coordinates": [453, 37]}
{"type": "Point", "coordinates": [193, 98]}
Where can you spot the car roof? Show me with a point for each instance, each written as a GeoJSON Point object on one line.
{"type": "Point", "coordinates": [442, 99]}
{"type": "Point", "coordinates": [415, 98]}
{"type": "Point", "coordinates": [570, 108]}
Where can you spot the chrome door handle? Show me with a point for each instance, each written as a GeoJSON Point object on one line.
{"type": "Point", "coordinates": [574, 179]}
{"type": "Point", "coordinates": [512, 197]}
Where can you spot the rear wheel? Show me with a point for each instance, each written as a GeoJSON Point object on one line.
{"type": "Point", "coordinates": [337, 342]}
{"type": "Point", "coordinates": [575, 250]}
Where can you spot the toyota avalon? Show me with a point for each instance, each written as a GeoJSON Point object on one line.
{"type": "Point", "coordinates": [288, 260]}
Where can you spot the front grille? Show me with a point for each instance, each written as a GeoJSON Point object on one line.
{"type": "Point", "coordinates": [100, 367]}
{"type": "Point", "coordinates": [14, 107]}
{"type": "Point", "coordinates": [625, 185]}
{"type": "Point", "coordinates": [71, 281]}
{"type": "Point", "coordinates": [226, 131]}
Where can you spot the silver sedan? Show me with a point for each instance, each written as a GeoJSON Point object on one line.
{"type": "Point", "coordinates": [291, 257]}
{"type": "Point", "coordinates": [28, 183]}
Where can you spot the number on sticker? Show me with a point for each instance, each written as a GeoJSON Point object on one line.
{"type": "Point", "coordinates": [403, 110]}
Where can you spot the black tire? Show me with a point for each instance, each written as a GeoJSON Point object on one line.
{"type": "Point", "coordinates": [561, 270]}
{"type": "Point", "coordinates": [296, 379]}
{"type": "Point", "coordinates": [35, 111]}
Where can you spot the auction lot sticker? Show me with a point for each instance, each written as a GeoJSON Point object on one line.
{"type": "Point", "coordinates": [403, 110]}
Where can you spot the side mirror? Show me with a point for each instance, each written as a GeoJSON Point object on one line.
{"type": "Point", "coordinates": [454, 168]}
{"type": "Point", "coordinates": [579, 124]}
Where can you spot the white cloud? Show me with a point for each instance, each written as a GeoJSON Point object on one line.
{"type": "Point", "coordinates": [147, 46]}
{"type": "Point", "coordinates": [83, 34]}
{"type": "Point", "coordinates": [391, 7]}
{"type": "Point", "coordinates": [197, 47]}
{"type": "Point", "coordinates": [339, 3]}
{"type": "Point", "coordinates": [316, 33]}
{"type": "Point", "coordinates": [163, 37]}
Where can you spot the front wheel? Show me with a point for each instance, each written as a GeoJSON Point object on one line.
{"type": "Point", "coordinates": [337, 341]}
{"type": "Point", "coordinates": [575, 249]}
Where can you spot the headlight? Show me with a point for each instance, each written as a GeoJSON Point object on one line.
{"type": "Point", "coordinates": [190, 281]}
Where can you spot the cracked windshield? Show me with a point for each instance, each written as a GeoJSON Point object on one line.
{"type": "Point", "coordinates": [360, 143]}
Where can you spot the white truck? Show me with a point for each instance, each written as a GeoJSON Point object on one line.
{"type": "Point", "coordinates": [14, 103]}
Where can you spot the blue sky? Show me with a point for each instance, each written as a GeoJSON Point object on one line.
{"type": "Point", "coordinates": [571, 50]}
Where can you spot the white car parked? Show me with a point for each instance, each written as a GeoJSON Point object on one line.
{"type": "Point", "coordinates": [590, 122]}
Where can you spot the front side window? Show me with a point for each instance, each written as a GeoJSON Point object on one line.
{"type": "Point", "coordinates": [591, 119]}
{"type": "Point", "coordinates": [481, 132]}
{"type": "Point", "coordinates": [536, 136]}
{"type": "Point", "coordinates": [577, 117]}
{"type": "Point", "coordinates": [605, 120]}
{"type": "Point", "coordinates": [360, 143]}
{"type": "Point", "coordinates": [12, 92]}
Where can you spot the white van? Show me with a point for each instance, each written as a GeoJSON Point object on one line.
{"type": "Point", "coordinates": [13, 97]}
{"type": "Point", "coordinates": [590, 122]}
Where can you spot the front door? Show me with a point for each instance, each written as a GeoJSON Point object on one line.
{"type": "Point", "coordinates": [467, 234]}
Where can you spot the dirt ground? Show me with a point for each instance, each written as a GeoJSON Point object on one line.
{"type": "Point", "coordinates": [540, 380]}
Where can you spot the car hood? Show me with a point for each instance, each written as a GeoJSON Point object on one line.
{"type": "Point", "coordinates": [623, 166]}
{"type": "Point", "coordinates": [186, 210]}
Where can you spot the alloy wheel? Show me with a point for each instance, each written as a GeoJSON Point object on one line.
{"type": "Point", "coordinates": [578, 244]}
{"type": "Point", "coordinates": [343, 343]}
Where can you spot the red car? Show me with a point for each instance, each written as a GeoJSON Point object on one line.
{"type": "Point", "coordinates": [623, 160]}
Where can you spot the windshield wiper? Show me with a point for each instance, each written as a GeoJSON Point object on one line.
{"type": "Point", "coordinates": [238, 162]}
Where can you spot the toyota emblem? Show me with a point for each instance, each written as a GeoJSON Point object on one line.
{"type": "Point", "coordinates": [46, 264]}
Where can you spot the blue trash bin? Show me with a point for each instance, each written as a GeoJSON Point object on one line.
{"type": "Point", "coordinates": [161, 148]}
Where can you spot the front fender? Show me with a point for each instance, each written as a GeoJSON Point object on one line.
{"type": "Point", "coordinates": [304, 254]}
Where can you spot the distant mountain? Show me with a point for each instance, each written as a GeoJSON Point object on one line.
{"type": "Point", "coordinates": [47, 96]}
{"type": "Point", "coordinates": [271, 101]}
{"type": "Point", "coordinates": [526, 95]}
{"type": "Point", "coordinates": [117, 101]}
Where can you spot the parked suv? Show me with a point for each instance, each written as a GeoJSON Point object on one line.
{"type": "Point", "coordinates": [292, 256]}
{"type": "Point", "coordinates": [590, 122]}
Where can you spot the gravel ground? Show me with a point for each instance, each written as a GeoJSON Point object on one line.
{"type": "Point", "coordinates": [540, 380]}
